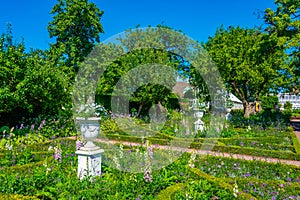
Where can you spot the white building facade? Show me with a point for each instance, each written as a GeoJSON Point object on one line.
{"type": "Point", "coordinates": [292, 98]}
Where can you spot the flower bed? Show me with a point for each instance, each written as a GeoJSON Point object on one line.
{"type": "Point", "coordinates": [56, 177]}
{"type": "Point", "coordinates": [262, 180]}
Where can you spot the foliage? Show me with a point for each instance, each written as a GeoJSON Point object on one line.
{"type": "Point", "coordinates": [189, 94]}
{"type": "Point", "coordinates": [288, 106]}
{"type": "Point", "coordinates": [218, 176]}
{"type": "Point", "coordinates": [296, 142]}
{"type": "Point", "coordinates": [156, 83]}
{"type": "Point", "coordinates": [167, 193]}
{"type": "Point", "coordinates": [269, 102]}
{"type": "Point", "coordinates": [30, 85]}
{"type": "Point", "coordinates": [12, 66]}
{"type": "Point", "coordinates": [265, 143]}
{"type": "Point", "coordinates": [264, 119]}
{"type": "Point", "coordinates": [76, 27]}
{"type": "Point", "coordinates": [260, 179]}
{"type": "Point", "coordinates": [45, 89]}
{"type": "Point", "coordinates": [109, 126]}
{"type": "Point", "coordinates": [147, 67]}
{"type": "Point", "coordinates": [248, 62]}
{"type": "Point", "coordinates": [284, 22]}
{"type": "Point", "coordinates": [91, 110]}
{"type": "Point", "coordinates": [202, 190]}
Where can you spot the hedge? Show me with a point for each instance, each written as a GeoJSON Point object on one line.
{"type": "Point", "coordinates": [17, 197]}
{"type": "Point", "coordinates": [25, 167]}
{"type": "Point", "coordinates": [213, 145]}
{"type": "Point", "coordinates": [296, 142]}
{"type": "Point", "coordinates": [167, 193]}
{"type": "Point", "coordinates": [220, 182]}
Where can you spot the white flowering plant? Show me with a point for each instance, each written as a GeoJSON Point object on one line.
{"type": "Point", "coordinates": [91, 110]}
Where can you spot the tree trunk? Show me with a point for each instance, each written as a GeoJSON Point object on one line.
{"type": "Point", "coordinates": [247, 109]}
{"type": "Point", "coordinates": [140, 109]}
{"type": "Point", "coordinates": [160, 109]}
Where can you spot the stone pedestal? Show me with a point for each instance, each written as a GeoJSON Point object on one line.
{"type": "Point", "coordinates": [199, 125]}
{"type": "Point", "coordinates": [228, 115]}
{"type": "Point", "coordinates": [89, 162]}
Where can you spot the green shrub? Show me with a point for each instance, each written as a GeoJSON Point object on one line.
{"type": "Point", "coordinates": [109, 126]}
{"type": "Point", "coordinates": [17, 197]}
{"type": "Point", "coordinates": [221, 183]}
{"type": "Point", "coordinates": [288, 106]}
{"type": "Point", "coordinates": [265, 119]}
{"type": "Point", "coordinates": [167, 193]}
{"type": "Point", "coordinates": [31, 84]}
{"type": "Point", "coordinates": [269, 102]}
{"type": "Point", "coordinates": [296, 142]}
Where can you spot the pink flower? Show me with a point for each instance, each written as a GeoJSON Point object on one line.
{"type": "Point", "coordinates": [78, 144]}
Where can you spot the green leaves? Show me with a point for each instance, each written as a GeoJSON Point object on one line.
{"type": "Point", "coordinates": [76, 27]}
{"type": "Point", "coordinates": [30, 83]}
{"type": "Point", "coordinates": [284, 22]}
{"type": "Point", "coordinates": [143, 74]}
{"type": "Point", "coordinates": [249, 61]}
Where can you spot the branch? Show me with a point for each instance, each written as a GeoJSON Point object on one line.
{"type": "Point", "coordinates": [295, 16]}
{"type": "Point", "coordinates": [245, 90]}
{"type": "Point", "coordinates": [237, 90]}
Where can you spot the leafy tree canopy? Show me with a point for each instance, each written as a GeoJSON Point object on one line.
{"type": "Point", "coordinates": [76, 27]}
{"type": "Point", "coordinates": [284, 22]}
{"type": "Point", "coordinates": [250, 62]}
{"type": "Point", "coordinates": [30, 85]}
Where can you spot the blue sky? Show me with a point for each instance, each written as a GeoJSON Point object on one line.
{"type": "Point", "coordinates": [196, 18]}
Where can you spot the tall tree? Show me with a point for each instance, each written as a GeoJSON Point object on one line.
{"type": "Point", "coordinates": [12, 67]}
{"type": "Point", "coordinates": [151, 61]}
{"type": "Point", "coordinates": [30, 86]}
{"type": "Point", "coordinates": [159, 46]}
{"type": "Point", "coordinates": [284, 22]}
{"type": "Point", "coordinates": [157, 80]}
{"type": "Point", "coordinates": [76, 27]}
{"type": "Point", "coordinates": [249, 61]}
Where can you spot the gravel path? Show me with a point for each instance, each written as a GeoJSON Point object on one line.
{"type": "Point", "coordinates": [205, 152]}
{"type": "Point", "coordinates": [219, 154]}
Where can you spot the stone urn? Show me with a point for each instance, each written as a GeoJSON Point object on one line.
{"type": "Point", "coordinates": [200, 114]}
{"type": "Point", "coordinates": [89, 128]}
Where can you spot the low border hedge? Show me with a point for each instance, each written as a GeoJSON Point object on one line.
{"type": "Point", "coordinates": [167, 193]}
{"type": "Point", "coordinates": [17, 197]}
{"type": "Point", "coordinates": [296, 142]}
{"type": "Point", "coordinates": [214, 145]}
{"type": "Point", "coordinates": [220, 182]}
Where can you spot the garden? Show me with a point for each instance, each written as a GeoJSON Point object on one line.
{"type": "Point", "coordinates": [37, 164]}
{"type": "Point", "coordinates": [156, 143]}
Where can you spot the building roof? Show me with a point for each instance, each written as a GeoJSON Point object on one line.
{"type": "Point", "coordinates": [234, 98]}
{"type": "Point", "coordinates": [180, 88]}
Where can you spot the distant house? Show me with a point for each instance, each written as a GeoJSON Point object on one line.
{"type": "Point", "coordinates": [183, 86]}
{"type": "Point", "coordinates": [292, 98]}
{"type": "Point", "coordinates": [237, 104]}
{"type": "Point", "coordinates": [180, 88]}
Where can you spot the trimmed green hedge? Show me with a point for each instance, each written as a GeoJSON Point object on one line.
{"type": "Point", "coordinates": [24, 168]}
{"type": "Point", "coordinates": [296, 142]}
{"type": "Point", "coordinates": [43, 146]}
{"type": "Point", "coordinates": [167, 193]}
{"type": "Point", "coordinates": [211, 144]}
{"type": "Point", "coordinates": [220, 182]}
{"type": "Point", "coordinates": [17, 197]}
{"type": "Point", "coordinates": [257, 152]}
